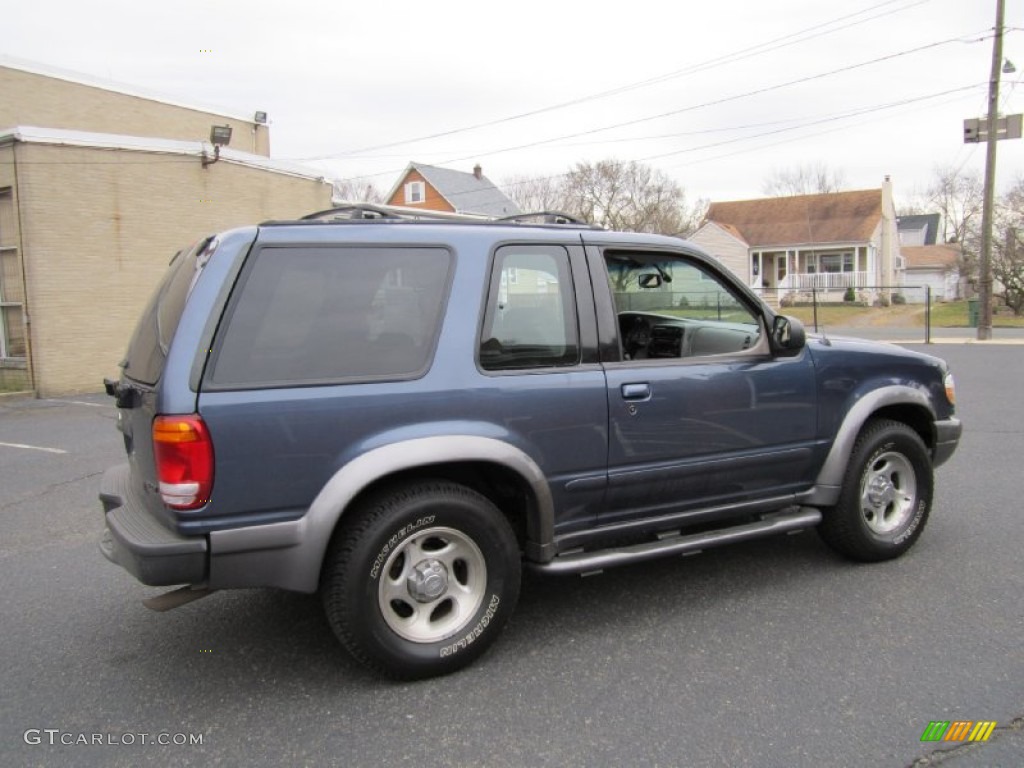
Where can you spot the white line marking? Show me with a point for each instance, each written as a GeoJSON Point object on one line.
{"type": "Point", "coordinates": [80, 402]}
{"type": "Point", "coordinates": [32, 447]}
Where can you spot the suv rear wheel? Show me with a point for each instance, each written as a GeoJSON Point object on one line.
{"type": "Point", "coordinates": [420, 580]}
{"type": "Point", "coordinates": [886, 494]}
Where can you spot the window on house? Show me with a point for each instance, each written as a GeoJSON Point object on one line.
{"type": "Point", "coordinates": [415, 192]}
{"type": "Point", "coordinates": [12, 298]}
{"type": "Point", "coordinates": [837, 262]}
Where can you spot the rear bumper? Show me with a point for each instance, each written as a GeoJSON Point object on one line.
{"type": "Point", "coordinates": [141, 544]}
{"type": "Point", "coordinates": [947, 437]}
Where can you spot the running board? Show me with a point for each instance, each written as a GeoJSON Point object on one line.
{"type": "Point", "coordinates": [598, 560]}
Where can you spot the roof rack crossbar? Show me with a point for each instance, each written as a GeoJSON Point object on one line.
{"type": "Point", "coordinates": [361, 211]}
{"type": "Point", "coordinates": [545, 217]}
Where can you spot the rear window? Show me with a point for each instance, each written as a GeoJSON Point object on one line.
{"type": "Point", "coordinates": [307, 315]}
{"type": "Point", "coordinates": [148, 347]}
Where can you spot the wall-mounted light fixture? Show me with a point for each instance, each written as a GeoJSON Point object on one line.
{"type": "Point", "coordinates": [220, 135]}
{"type": "Point", "coordinates": [260, 118]}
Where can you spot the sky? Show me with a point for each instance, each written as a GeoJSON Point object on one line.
{"type": "Point", "coordinates": [718, 95]}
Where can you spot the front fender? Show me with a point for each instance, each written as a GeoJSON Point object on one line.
{"type": "Point", "coordinates": [830, 478]}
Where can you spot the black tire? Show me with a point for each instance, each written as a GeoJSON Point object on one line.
{"type": "Point", "coordinates": [886, 494]}
{"type": "Point", "coordinates": [420, 580]}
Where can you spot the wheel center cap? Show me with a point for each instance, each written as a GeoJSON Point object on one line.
{"type": "Point", "coordinates": [881, 491]}
{"type": "Point", "coordinates": [428, 581]}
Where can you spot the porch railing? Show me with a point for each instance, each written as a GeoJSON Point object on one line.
{"type": "Point", "coordinates": [824, 281]}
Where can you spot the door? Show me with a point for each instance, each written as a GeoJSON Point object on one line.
{"type": "Point", "coordinates": [701, 415]}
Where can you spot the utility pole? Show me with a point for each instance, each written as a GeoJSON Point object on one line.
{"type": "Point", "coordinates": [985, 267]}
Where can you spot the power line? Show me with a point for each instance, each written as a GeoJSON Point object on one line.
{"type": "Point", "coordinates": [827, 119]}
{"type": "Point", "coordinates": [714, 102]}
{"type": "Point", "coordinates": [820, 121]}
{"type": "Point", "coordinates": [740, 55]}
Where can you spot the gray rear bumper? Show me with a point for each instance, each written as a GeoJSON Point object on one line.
{"type": "Point", "coordinates": [141, 544]}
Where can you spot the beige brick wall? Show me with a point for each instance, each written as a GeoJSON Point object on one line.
{"type": "Point", "coordinates": [49, 102]}
{"type": "Point", "coordinates": [100, 226]}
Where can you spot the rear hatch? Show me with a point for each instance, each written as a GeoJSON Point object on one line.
{"type": "Point", "coordinates": [136, 392]}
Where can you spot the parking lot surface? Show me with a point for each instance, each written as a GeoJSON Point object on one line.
{"type": "Point", "coordinates": [771, 653]}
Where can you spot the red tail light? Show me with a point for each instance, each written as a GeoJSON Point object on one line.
{"type": "Point", "coordinates": [184, 461]}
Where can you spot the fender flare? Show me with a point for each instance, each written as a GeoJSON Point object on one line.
{"type": "Point", "coordinates": [830, 477]}
{"type": "Point", "coordinates": [290, 554]}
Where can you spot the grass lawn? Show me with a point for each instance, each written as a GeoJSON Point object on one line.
{"type": "Point", "coordinates": [953, 313]}
{"type": "Point", "coordinates": [949, 314]}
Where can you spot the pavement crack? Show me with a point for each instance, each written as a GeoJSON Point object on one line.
{"type": "Point", "coordinates": [48, 489]}
{"type": "Point", "coordinates": [940, 756]}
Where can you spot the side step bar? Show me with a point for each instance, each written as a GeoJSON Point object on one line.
{"type": "Point", "coordinates": [598, 560]}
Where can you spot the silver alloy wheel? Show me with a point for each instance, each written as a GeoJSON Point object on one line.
{"type": "Point", "coordinates": [432, 585]}
{"type": "Point", "coordinates": [888, 493]}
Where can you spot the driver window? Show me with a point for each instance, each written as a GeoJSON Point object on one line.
{"type": "Point", "coordinates": [672, 308]}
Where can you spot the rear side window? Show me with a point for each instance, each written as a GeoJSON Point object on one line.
{"type": "Point", "coordinates": [148, 347]}
{"type": "Point", "coordinates": [531, 315]}
{"type": "Point", "coordinates": [307, 315]}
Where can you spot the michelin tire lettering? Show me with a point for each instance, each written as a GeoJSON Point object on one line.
{"type": "Point", "coordinates": [401, 535]}
{"type": "Point", "coordinates": [478, 630]}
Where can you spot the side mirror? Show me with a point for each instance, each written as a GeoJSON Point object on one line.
{"type": "Point", "coordinates": [788, 335]}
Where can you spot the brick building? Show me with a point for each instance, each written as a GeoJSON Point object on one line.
{"type": "Point", "coordinates": [95, 204]}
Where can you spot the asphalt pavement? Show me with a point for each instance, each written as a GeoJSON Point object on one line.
{"type": "Point", "coordinates": [770, 653]}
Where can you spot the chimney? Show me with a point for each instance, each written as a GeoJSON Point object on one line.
{"type": "Point", "coordinates": [478, 172]}
{"type": "Point", "coordinates": [890, 236]}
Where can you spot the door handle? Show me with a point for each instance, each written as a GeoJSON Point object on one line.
{"type": "Point", "coordinates": [636, 391]}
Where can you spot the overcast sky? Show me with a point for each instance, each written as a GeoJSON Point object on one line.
{"type": "Point", "coordinates": [717, 94]}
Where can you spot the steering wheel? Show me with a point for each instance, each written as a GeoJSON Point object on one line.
{"type": "Point", "coordinates": [637, 337]}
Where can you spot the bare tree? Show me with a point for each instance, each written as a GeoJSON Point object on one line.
{"type": "Point", "coordinates": [957, 195]}
{"type": "Point", "coordinates": [353, 191]}
{"type": "Point", "coordinates": [1008, 254]}
{"type": "Point", "coordinates": [629, 196]}
{"type": "Point", "coordinates": [535, 194]}
{"type": "Point", "coordinates": [810, 179]}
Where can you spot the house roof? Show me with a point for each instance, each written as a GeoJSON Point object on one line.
{"type": "Point", "coordinates": [929, 222]}
{"type": "Point", "coordinates": [731, 230]}
{"type": "Point", "coordinates": [464, 191]}
{"type": "Point", "coordinates": [37, 68]}
{"type": "Point", "coordinates": [943, 257]}
{"type": "Point", "coordinates": [839, 217]}
{"type": "Point", "coordinates": [30, 134]}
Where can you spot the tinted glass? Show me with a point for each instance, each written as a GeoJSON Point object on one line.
{"type": "Point", "coordinates": [148, 347]}
{"type": "Point", "coordinates": [326, 314]}
{"type": "Point", "coordinates": [531, 315]}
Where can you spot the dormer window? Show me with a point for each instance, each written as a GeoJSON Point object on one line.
{"type": "Point", "coordinates": [415, 192]}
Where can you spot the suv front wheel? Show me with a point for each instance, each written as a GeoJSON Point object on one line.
{"type": "Point", "coordinates": [886, 494]}
{"type": "Point", "coordinates": [420, 580]}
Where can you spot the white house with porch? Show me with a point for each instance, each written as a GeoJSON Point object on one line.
{"type": "Point", "coordinates": [790, 247]}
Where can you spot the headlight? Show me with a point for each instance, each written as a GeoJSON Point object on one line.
{"type": "Point", "coordinates": [950, 388]}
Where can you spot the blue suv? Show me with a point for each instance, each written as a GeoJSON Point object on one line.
{"type": "Point", "coordinates": [403, 413]}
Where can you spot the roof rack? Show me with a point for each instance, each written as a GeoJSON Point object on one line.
{"type": "Point", "coordinates": [545, 217]}
{"type": "Point", "coordinates": [359, 211]}
{"type": "Point", "coordinates": [396, 213]}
